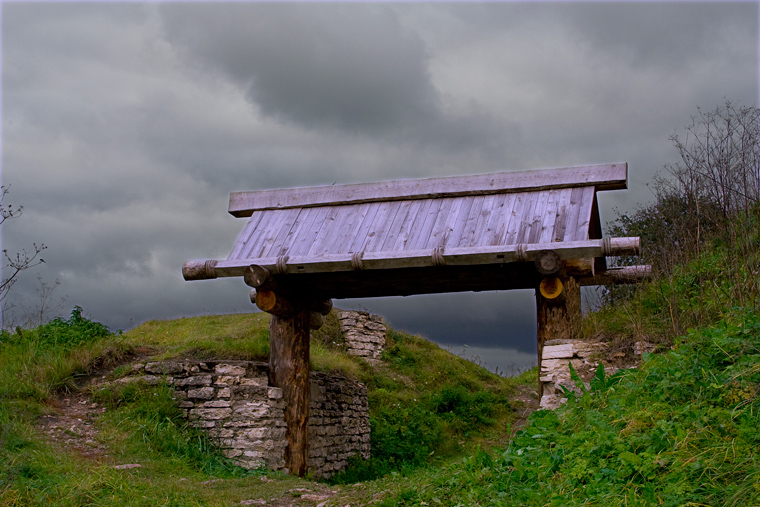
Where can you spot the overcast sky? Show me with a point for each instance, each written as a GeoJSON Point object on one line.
{"type": "Point", "coordinates": [126, 126]}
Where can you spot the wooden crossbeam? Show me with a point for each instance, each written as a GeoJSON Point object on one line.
{"type": "Point", "coordinates": [200, 270]}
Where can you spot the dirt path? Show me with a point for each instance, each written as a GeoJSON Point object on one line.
{"type": "Point", "coordinates": [71, 424]}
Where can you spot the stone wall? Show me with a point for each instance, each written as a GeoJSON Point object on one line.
{"type": "Point", "coordinates": [364, 333]}
{"type": "Point", "coordinates": [244, 416]}
{"type": "Point", "coordinates": [585, 357]}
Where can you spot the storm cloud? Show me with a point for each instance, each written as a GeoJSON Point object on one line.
{"type": "Point", "coordinates": [126, 126]}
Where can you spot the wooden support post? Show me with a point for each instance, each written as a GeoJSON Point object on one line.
{"type": "Point", "coordinates": [558, 310]}
{"type": "Point", "coordinates": [289, 370]}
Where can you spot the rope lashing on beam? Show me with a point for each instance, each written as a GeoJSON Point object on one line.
{"type": "Point", "coordinates": [607, 247]}
{"type": "Point", "coordinates": [208, 269]}
{"type": "Point", "coordinates": [356, 261]}
{"type": "Point", "coordinates": [521, 252]}
{"type": "Point", "coordinates": [281, 267]}
{"type": "Point", "coordinates": [438, 259]}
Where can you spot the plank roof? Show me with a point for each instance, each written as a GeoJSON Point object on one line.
{"type": "Point", "coordinates": [472, 219]}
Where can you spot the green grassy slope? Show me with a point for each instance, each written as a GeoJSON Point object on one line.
{"type": "Point", "coordinates": [427, 406]}
{"type": "Point", "coordinates": [683, 429]}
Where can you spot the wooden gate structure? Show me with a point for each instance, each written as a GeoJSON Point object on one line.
{"type": "Point", "coordinates": [303, 247]}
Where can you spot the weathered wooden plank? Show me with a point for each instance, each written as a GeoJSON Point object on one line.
{"type": "Point", "coordinates": [458, 220]}
{"type": "Point", "coordinates": [247, 244]}
{"type": "Point", "coordinates": [362, 233]}
{"type": "Point", "coordinates": [350, 228]}
{"type": "Point", "coordinates": [576, 196]}
{"type": "Point", "coordinates": [285, 226]}
{"type": "Point", "coordinates": [453, 222]}
{"type": "Point", "coordinates": [244, 236]}
{"type": "Point", "coordinates": [562, 212]}
{"type": "Point", "coordinates": [381, 224]}
{"type": "Point", "coordinates": [415, 223]}
{"type": "Point", "coordinates": [395, 227]}
{"type": "Point", "coordinates": [326, 241]}
{"type": "Point", "coordinates": [421, 232]}
{"type": "Point", "coordinates": [584, 214]}
{"type": "Point", "coordinates": [263, 236]}
{"type": "Point", "coordinates": [491, 222]}
{"type": "Point", "coordinates": [515, 220]}
{"type": "Point", "coordinates": [539, 214]}
{"type": "Point", "coordinates": [406, 227]}
{"type": "Point", "coordinates": [483, 216]}
{"type": "Point", "coordinates": [325, 229]}
{"type": "Point", "coordinates": [308, 234]}
{"type": "Point", "coordinates": [526, 221]}
{"type": "Point", "coordinates": [603, 177]}
{"type": "Point", "coordinates": [467, 236]}
{"type": "Point", "coordinates": [546, 235]}
{"type": "Point", "coordinates": [438, 233]}
{"type": "Point", "coordinates": [304, 220]}
{"type": "Point", "coordinates": [499, 235]}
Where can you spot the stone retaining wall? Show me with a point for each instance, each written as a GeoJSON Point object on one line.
{"type": "Point", "coordinates": [244, 416]}
{"type": "Point", "coordinates": [585, 356]}
{"type": "Point", "coordinates": [364, 333]}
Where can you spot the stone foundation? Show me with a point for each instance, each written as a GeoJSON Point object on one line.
{"type": "Point", "coordinates": [364, 333]}
{"type": "Point", "coordinates": [244, 416]}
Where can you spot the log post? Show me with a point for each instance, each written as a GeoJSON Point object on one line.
{"type": "Point", "coordinates": [558, 310]}
{"type": "Point", "coordinates": [289, 370]}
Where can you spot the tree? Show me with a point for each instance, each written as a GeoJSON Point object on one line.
{"type": "Point", "coordinates": [15, 264]}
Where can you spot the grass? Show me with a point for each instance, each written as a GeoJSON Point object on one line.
{"type": "Point", "coordinates": [680, 430]}
{"type": "Point", "coordinates": [142, 425]}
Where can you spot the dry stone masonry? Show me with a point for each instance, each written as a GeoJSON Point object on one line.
{"type": "Point", "coordinates": [364, 333]}
{"type": "Point", "coordinates": [585, 356]}
{"type": "Point", "coordinates": [244, 416]}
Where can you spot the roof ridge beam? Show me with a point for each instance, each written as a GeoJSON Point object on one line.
{"type": "Point", "coordinates": [603, 177]}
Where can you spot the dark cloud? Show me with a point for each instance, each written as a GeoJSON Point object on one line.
{"type": "Point", "coordinates": [126, 126]}
{"type": "Point", "coordinates": [354, 67]}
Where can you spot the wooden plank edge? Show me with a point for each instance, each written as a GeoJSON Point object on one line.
{"type": "Point", "coordinates": [413, 259]}
{"type": "Point", "coordinates": [602, 176]}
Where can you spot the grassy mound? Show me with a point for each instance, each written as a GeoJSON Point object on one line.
{"type": "Point", "coordinates": [427, 406]}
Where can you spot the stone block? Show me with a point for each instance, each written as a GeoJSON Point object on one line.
{"type": "Point", "coordinates": [210, 413]}
{"type": "Point", "coordinates": [164, 368]}
{"type": "Point", "coordinates": [230, 370]}
{"type": "Point", "coordinates": [226, 380]}
{"type": "Point", "coordinates": [204, 393]}
{"type": "Point", "coordinates": [215, 403]}
{"type": "Point", "coordinates": [195, 380]}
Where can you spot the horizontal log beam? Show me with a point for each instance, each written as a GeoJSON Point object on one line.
{"type": "Point", "coordinates": [199, 270]}
{"type": "Point", "coordinates": [603, 177]}
{"type": "Point", "coordinates": [426, 258]}
{"type": "Point", "coordinates": [619, 276]}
